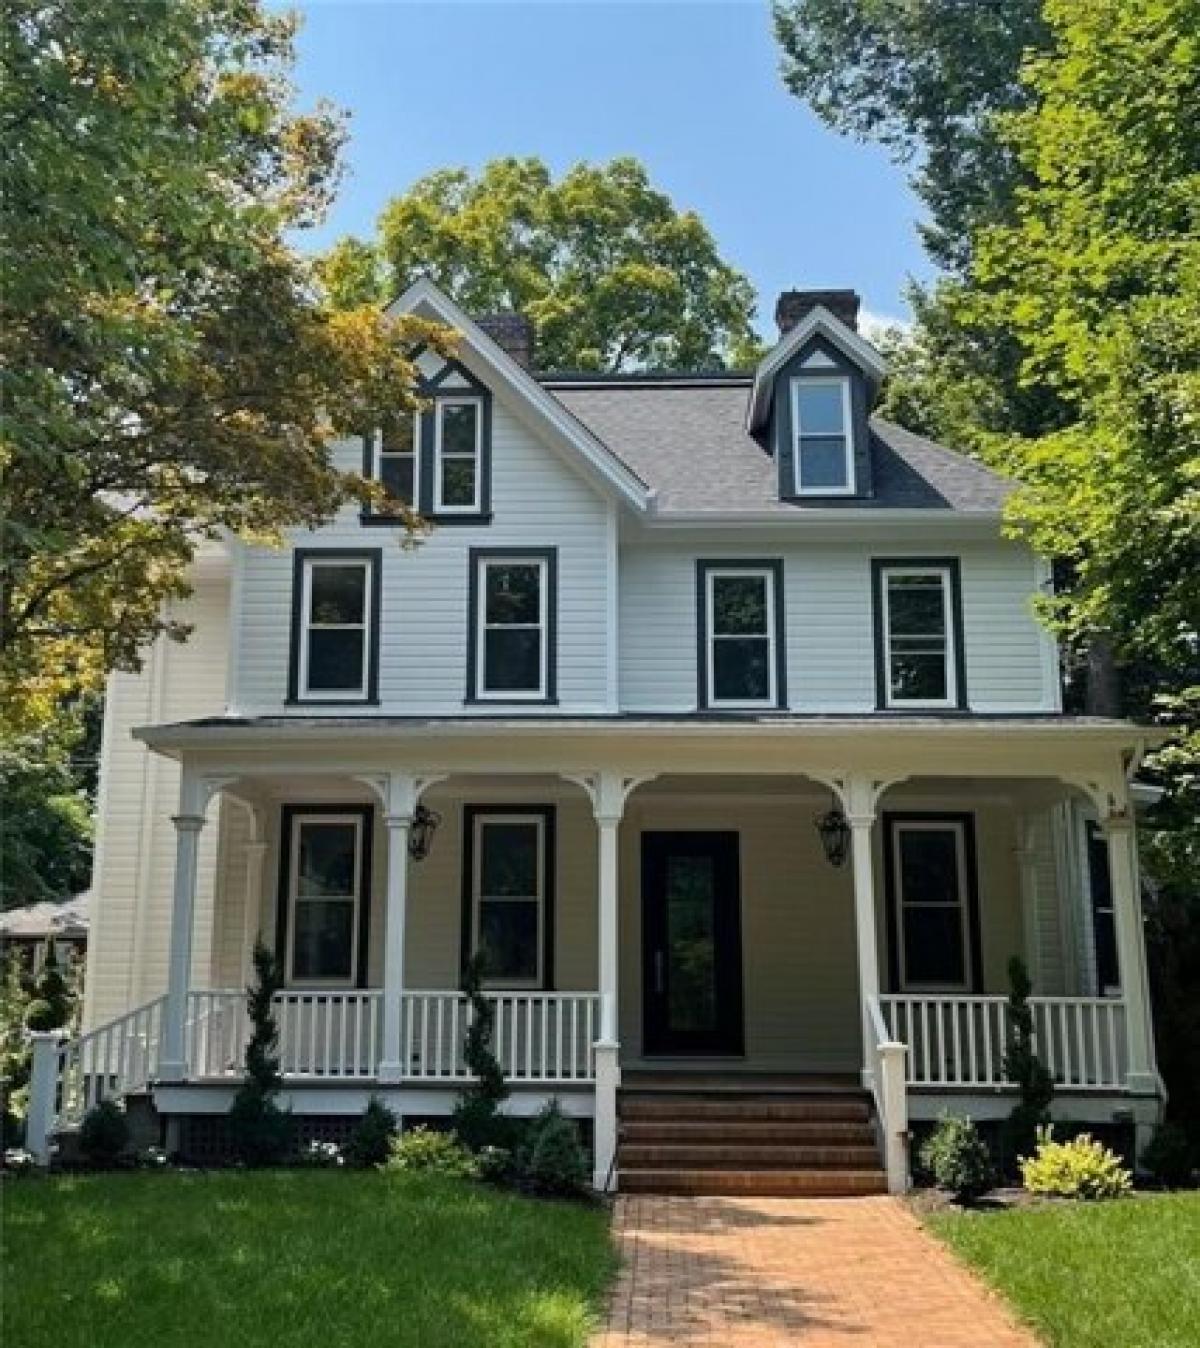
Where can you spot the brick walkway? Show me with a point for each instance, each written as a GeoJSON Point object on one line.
{"type": "Point", "coordinates": [769, 1272]}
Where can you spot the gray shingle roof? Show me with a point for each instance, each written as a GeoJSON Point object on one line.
{"type": "Point", "coordinates": [687, 439]}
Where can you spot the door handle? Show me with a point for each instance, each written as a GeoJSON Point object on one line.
{"type": "Point", "coordinates": [658, 972]}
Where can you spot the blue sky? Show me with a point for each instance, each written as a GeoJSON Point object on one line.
{"type": "Point", "coordinates": [691, 89]}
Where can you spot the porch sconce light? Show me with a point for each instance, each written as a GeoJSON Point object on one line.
{"type": "Point", "coordinates": [420, 837]}
{"type": "Point", "coordinates": [834, 833]}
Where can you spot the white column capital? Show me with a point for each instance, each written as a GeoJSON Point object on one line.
{"type": "Point", "coordinates": [858, 793]}
{"type": "Point", "coordinates": [196, 790]}
{"type": "Point", "coordinates": [400, 791]}
{"type": "Point", "coordinates": [608, 791]}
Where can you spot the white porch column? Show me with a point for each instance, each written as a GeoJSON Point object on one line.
{"type": "Point", "coordinates": [193, 799]}
{"type": "Point", "coordinates": [1119, 832]}
{"type": "Point", "coordinates": [608, 792]}
{"type": "Point", "coordinates": [400, 793]}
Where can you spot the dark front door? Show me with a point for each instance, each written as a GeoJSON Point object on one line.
{"type": "Point", "coordinates": [691, 943]}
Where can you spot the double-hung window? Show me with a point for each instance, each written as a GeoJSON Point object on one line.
{"type": "Point", "coordinates": [325, 897]}
{"type": "Point", "coordinates": [513, 599]}
{"type": "Point", "coordinates": [919, 658]}
{"type": "Point", "coordinates": [396, 463]}
{"type": "Point", "coordinates": [1104, 923]}
{"type": "Point", "coordinates": [457, 456]}
{"type": "Point", "coordinates": [928, 866]}
{"type": "Point", "coordinates": [334, 626]}
{"type": "Point", "coordinates": [741, 650]}
{"type": "Point", "coordinates": [823, 436]}
{"type": "Point", "coordinates": [511, 860]}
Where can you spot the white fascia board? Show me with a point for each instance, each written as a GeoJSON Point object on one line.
{"type": "Point", "coordinates": [427, 299]}
{"type": "Point", "coordinates": [818, 320]}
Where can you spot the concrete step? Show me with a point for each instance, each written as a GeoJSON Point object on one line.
{"type": "Point", "coordinates": [846, 1108]}
{"type": "Point", "coordinates": [743, 1156]}
{"type": "Point", "coordinates": [833, 1132]}
{"type": "Point", "coordinates": [814, 1183]}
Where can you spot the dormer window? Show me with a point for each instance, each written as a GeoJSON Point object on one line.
{"type": "Point", "coordinates": [397, 461]}
{"type": "Point", "coordinates": [457, 455]}
{"type": "Point", "coordinates": [823, 457]}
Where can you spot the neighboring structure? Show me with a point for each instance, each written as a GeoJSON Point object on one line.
{"type": "Point", "coordinates": [662, 624]}
{"type": "Point", "coordinates": [34, 930]}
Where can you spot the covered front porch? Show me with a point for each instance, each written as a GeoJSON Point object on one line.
{"type": "Point", "coordinates": [659, 899]}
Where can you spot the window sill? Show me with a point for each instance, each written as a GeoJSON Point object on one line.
{"type": "Point", "coordinates": [382, 521]}
{"type": "Point", "coordinates": [510, 702]}
{"type": "Point", "coordinates": [454, 517]}
{"type": "Point", "coordinates": [331, 702]}
{"type": "Point", "coordinates": [937, 709]}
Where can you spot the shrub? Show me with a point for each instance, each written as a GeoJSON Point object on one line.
{"type": "Point", "coordinates": [496, 1165]}
{"type": "Point", "coordinates": [41, 1014]}
{"type": "Point", "coordinates": [1080, 1168]}
{"type": "Point", "coordinates": [423, 1149]}
{"type": "Point", "coordinates": [478, 1124]}
{"type": "Point", "coordinates": [371, 1140]}
{"type": "Point", "coordinates": [322, 1155]}
{"type": "Point", "coordinates": [261, 1132]}
{"type": "Point", "coordinates": [958, 1158]}
{"type": "Point", "coordinates": [1023, 1067]}
{"type": "Point", "coordinates": [553, 1159]}
{"type": "Point", "coordinates": [1168, 1156]}
{"type": "Point", "coordinates": [104, 1133]}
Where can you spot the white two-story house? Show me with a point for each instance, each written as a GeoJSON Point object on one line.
{"type": "Point", "coordinates": [713, 707]}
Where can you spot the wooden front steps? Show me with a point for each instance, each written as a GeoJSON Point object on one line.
{"type": "Point", "coordinates": [810, 1143]}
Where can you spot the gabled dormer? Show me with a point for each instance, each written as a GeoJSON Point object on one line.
{"type": "Point", "coordinates": [811, 401]}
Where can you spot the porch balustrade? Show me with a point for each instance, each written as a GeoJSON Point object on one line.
{"type": "Point", "coordinates": [958, 1043]}
{"type": "Point", "coordinates": [541, 1038]}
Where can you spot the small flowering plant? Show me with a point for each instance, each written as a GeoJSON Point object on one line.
{"type": "Point", "coordinates": [322, 1155]}
{"type": "Point", "coordinates": [19, 1161]}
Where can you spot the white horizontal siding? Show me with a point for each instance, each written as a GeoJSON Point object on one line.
{"type": "Point", "coordinates": [829, 625]}
{"type": "Point", "coordinates": [537, 502]}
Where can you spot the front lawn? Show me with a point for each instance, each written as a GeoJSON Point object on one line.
{"type": "Point", "coordinates": [296, 1259]}
{"type": "Point", "coordinates": [1092, 1275]}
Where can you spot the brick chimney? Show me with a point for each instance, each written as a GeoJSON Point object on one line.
{"type": "Point", "coordinates": [793, 305]}
{"type": "Point", "coordinates": [513, 332]}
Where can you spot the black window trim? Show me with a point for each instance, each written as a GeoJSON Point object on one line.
{"type": "Point", "coordinates": [288, 815]}
{"type": "Point", "coordinates": [301, 557]}
{"type": "Point", "coordinates": [372, 447]}
{"type": "Point", "coordinates": [431, 390]}
{"type": "Point", "coordinates": [772, 565]}
{"type": "Point", "coordinates": [475, 559]}
{"type": "Point", "coordinates": [953, 569]}
{"type": "Point", "coordinates": [965, 819]}
{"type": "Point", "coordinates": [549, 816]}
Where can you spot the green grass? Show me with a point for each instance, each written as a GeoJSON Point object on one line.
{"type": "Point", "coordinates": [1124, 1274]}
{"type": "Point", "coordinates": [289, 1259]}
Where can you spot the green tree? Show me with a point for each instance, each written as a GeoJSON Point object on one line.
{"type": "Point", "coordinates": [168, 372]}
{"type": "Point", "coordinates": [613, 276]}
{"type": "Point", "coordinates": [927, 79]}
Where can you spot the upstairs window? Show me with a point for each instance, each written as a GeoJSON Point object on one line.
{"type": "Point", "coordinates": [918, 656]}
{"type": "Point", "coordinates": [335, 615]}
{"type": "Point", "coordinates": [457, 456]}
{"type": "Point", "coordinates": [513, 635]}
{"type": "Point", "coordinates": [397, 459]}
{"type": "Point", "coordinates": [741, 652]}
{"type": "Point", "coordinates": [823, 448]}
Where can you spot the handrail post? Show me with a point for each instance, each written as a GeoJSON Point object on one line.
{"type": "Point", "coordinates": [893, 1093]}
{"type": "Point", "coordinates": [43, 1093]}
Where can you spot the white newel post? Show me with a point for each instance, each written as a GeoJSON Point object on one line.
{"type": "Point", "coordinates": [179, 961]}
{"type": "Point", "coordinates": [43, 1090]}
{"type": "Point", "coordinates": [1131, 950]}
{"type": "Point", "coordinates": [894, 1094]}
{"type": "Point", "coordinates": [608, 792]}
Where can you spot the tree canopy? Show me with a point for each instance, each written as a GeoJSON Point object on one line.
{"type": "Point", "coordinates": [169, 373]}
{"type": "Point", "coordinates": [612, 275]}
{"type": "Point", "coordinates": [928, 80]}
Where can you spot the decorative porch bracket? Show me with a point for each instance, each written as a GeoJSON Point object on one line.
{"type": "Point", "coordinates": [608, 792]}
{"type": "Point", "coordinates": [195, 793]}
{"type": "Point", "coordinates": [859, 795]}
{"type": "Point", "coordinates": [400, 793]}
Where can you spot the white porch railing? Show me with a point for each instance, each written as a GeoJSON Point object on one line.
{"type": "Point", "coordinates": [959, 1042]}
{"type": "Point", "coordinates": [543, 1038]}
{"type": "Point", "coordinates": [110, 1062]}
